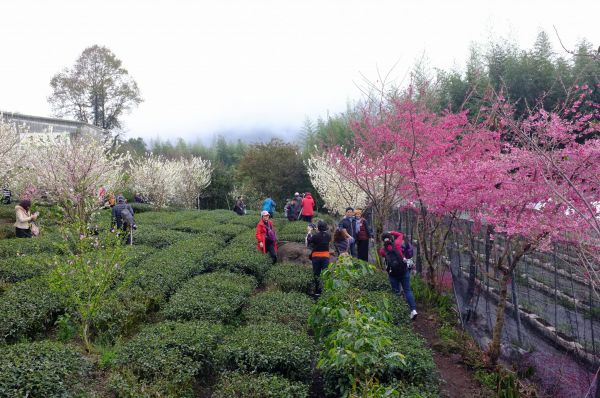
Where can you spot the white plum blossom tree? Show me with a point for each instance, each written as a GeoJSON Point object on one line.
{"type": "Point", "coordinates": [337, 191]}
{"type": "Point", "coordinates": [164, 182]}
{"type": "Point", "coordinates": [10, 151]}
{"type": "Point", "coordinates": [72, 170]}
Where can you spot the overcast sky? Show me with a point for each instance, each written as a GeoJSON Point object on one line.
{"type": "Point", "coordinates": [245, 66]}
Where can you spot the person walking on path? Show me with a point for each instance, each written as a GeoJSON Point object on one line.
{"type": "Point", "coordinates": [364, 235]}
{"type": "Point", "coordinates": [240, 206]}
{"type": "Point", "coordinates": [297, 211]}
{"type": "Point", "coordinates": [396, 255]}
{"type": "Point", "coordinates": [24, 219]}
{"type": "Point", "coordinates": [265, 235]}
{"type": "Point", "coordinates": [308, 207]}
{"type": "Point", "coordinates": [349, 224]}
{"type": "Point", "coordinates": [318, 240]}
{"type": "Point", "coordinates": [269, 206]}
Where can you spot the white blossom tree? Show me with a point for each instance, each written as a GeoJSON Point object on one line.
{"type": "Point", "coordinates": [10, 151]}
{"type": "Point", "coordinates": [194, 177]}
{"type": "Point", "coordinates": [71, 170]}
{"type": "Point", "coordinates": [164, 182]}
{"type": "Point", "coordinates": [338, 191]}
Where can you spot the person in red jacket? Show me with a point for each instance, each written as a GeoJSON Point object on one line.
{"type": "Point", "coordinates": [308, 208]}
{"type": "Point", "coordinates": [265, 235]}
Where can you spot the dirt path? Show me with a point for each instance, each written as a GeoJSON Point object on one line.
{"type": "Point", "coordinates": [457, 381]}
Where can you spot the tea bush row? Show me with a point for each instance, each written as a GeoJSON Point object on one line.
{"type": "Point", "coordinates": [243, 258]}
{"type": "Point", "coordinates": [42, 369]}
{"type": "Point", "coordinates": [166, 358]}
{"type": "Point", "coordinates": [218, 296]}
{"type": "Point", "coordinates": [257, 385]}
{"type": "Point", "coordinates": [291, 309]}
{"type": "Point", "coordinates": [290, 278]}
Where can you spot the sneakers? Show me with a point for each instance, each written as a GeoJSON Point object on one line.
{"type": "Point", "coordinates": [413, 315]}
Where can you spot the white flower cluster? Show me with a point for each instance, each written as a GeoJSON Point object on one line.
{"type": "Point", "coordinates": [165, 182]}
{"type": "Point", "coordinates": [10, 152]}
{"type": "Point", "coordinates": [337, 191]}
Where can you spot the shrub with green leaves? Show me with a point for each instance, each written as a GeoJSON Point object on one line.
{"type": "Point", "coordinates": [269, 347]}
{"type": "Point", "coordinates": [19, 268]}
{"type": "Point", "coordinates": [243, 259]}
{"type": "Point", "coordinates": [27, 308]}
{"type": "Point", "coordinates": [218, 296]}
{"type": "Point", "coordinates": [257, 385]}
{"type": "Point", "coordinates": [168, 356]}
{"type": "Point", "coordinates": [136, 254]}
{"type": "Point", "coordinates": [42, 369]}
{"type": "Point", "coordinates": [163, 272]}
{"type": "Point", "coordinates": [290, 278]}
{"type": "Point", "coordinates": [157, 237]}
{"type": "Point", "coordinates": [376, 281]}
{"type": "Point", "coordinates": [41, 244]}
{"type": "Point", "coordinates": [291, 308]}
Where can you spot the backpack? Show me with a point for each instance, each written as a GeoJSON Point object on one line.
{"type": "Point", "coordinates": [408, 250]}
{"type": "Point", "coordinates": [396, 266]}
{"type": "Point", "coordinates": [127, 217]}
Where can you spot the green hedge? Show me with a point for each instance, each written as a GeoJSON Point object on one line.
{"type": "Point", "coordinates": [291, 308]}
{"type": "Point", "coordinates": [258, 385]}
{"type": "Point", "coordinates": [218, 296]}
{"type": "Point", "coordinates": [290, 278]}
{"type": "Point", "coordinates": [42, 369]}
{"type": "Point", "coordinates": [162, 273]}
{"type": "Point", "coordinates": [271, 348]}
{"type": "Point", "coordinates": [20, 268]}
{"type": "Point", "coordinates": [157, 237]}
{"type": "Point", "coordinates": [136, 254]}
{"type": "Point", "coordinates": [42, 244]}
{"type": "Point", "coordinates": [377, 281]}
{"type": "Point", "coordinates": [27, 308]}
{"type": "Point", "coordinates": [292, 237]}
{"type": "Point", "coordinates": [244, 259]}
{"type": "Point", "coordinates": [167, 356]}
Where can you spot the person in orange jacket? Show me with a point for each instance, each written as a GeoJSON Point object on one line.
{"type": "Point", "coordinates": [265, 235]}
{"type": "Point", "coordinates": [308, 207]}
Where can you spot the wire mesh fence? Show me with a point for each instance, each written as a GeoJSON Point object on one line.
{"type": "Point", "coordinates": [552, 318]}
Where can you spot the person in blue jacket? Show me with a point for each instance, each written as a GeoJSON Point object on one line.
{"type": "Point", "coordinates": [269, 205]}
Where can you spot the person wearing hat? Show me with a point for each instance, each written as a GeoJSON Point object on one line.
{"type": "Point", "coordinates": [265, 235]}
{"type": "Point", "coordinates": [318, 240]}
{"type": "Point", "coordinates": [297, 209]}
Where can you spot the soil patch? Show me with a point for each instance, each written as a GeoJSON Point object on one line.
{"type": "Point", "coordinates": [293, 252]}
{"type": "Point", "coordinates": [456, 380]}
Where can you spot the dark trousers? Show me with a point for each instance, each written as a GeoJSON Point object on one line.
{"type": "Point", "coordinates": [270, 248]}
{"type": "Point", "coordinates": [319, 264]}
{"type": "Point", "coordinates": [307, 218]}
{"type": "Point", "coordinates": [23, 233]}
{"type": "Point", "coordinates": [405, 282]}
{"type": "Point", "coordinates": [363, 249]}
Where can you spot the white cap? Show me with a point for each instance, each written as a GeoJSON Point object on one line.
{"type": "Point", "coordinates": [264, 213]}
{"type": "Point", "coordinates": [296, 194]}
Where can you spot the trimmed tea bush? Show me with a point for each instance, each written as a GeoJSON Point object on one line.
{"type": "Point", "coordinates": [290, 278]}
{"type": "Point", "coordinates": [136, 254]}
{"type": "Point", "coordinates": [218, 296]}
{"type": "Point", "coordinates": [162, 273]}
{"type": "Point", "coordinates": [42, 369]}
{"type": "Point", "coordinates": [258, 385]}
{"type": "Point", "coordinates": [271, 348]}
{"type": "Point", "coordinates": [169, 355]}
{"type": "Point", "coordinates": [14, 247]}
{"type": "Point", "coordinates": [20, 268]}
{"type": "Point", "coordinates": [244, 259]}
{"type": "Point", "coordinates": [291, 308]}
{"type": "Point", "coordinates": [378, 280]}
{"type": "Point", "coordinates": [292, 237]}
{"type": "Point", "coordinates": [27, 308]}
{"type": "Point", "coordinates": [158, 238]}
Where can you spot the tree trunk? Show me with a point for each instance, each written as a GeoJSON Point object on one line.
{"type": "Point", "coordinates": [494, 350]}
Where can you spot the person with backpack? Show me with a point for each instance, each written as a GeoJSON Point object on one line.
{"type": "Point", "coordinates": [318, 239]}
{"type": "Point", "coordinates": [122, 218]}
{"type": "Point", "coordinates": [396, 255]}
{"type": "Point", "coordinates": [297, 211]}
{"type": "Point", "coordinates": [266, 237]}
{"type": "Point", "coordinates": [239, 207]}
{"type": "Point", "coordinates": [269, 206]}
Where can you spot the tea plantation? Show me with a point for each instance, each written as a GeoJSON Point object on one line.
{"type": "Point", "coordinates": [198, 312]}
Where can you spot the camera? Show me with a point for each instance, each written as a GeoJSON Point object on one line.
{"type": "Point", "coordinates": [312, 226]}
